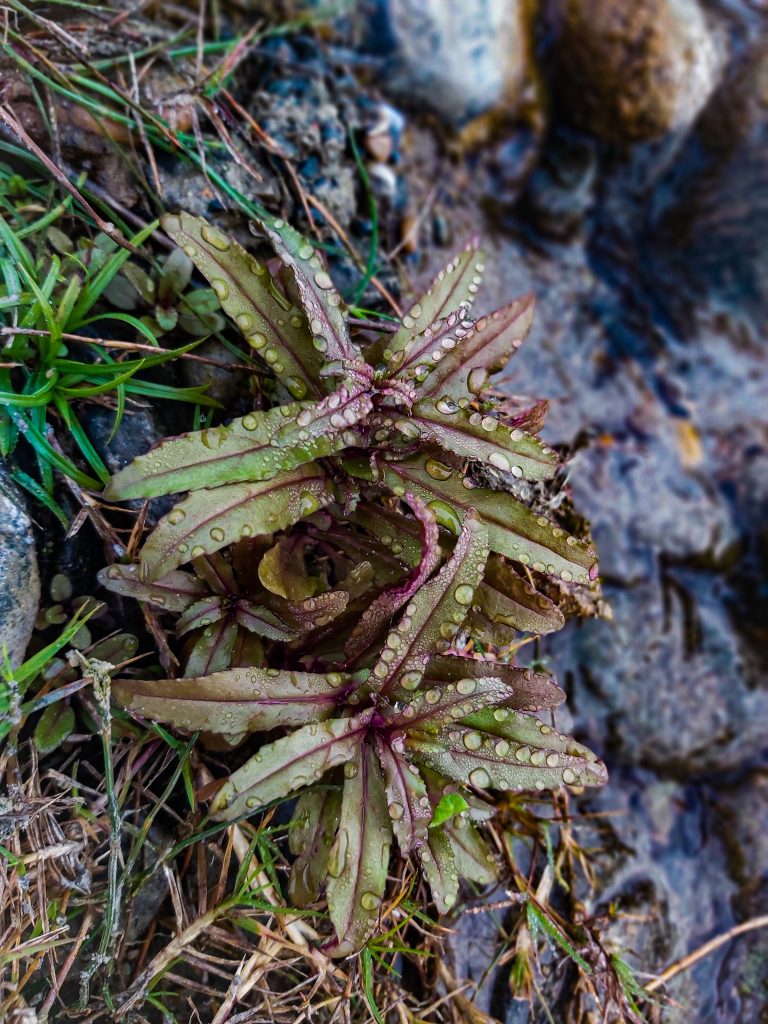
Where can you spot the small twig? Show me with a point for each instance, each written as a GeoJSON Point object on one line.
{"type": "Point", "coordinates": [709, 947]}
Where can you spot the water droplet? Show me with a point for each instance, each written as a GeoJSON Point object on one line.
{"type": "Point", "coordinates": [569, 777]}
{"type": "Point", "coordinates": [501, 714]}
{"type": "Point", "coordinates": [306, 251]}
{"type": "Point", "coordinates": [396, 811]}
{"type": "Point", "coordinates": [369, 901]}
{"type": "Point", "coordinates": [410, 680]}
{"type": "Point", "coordinates": [322, 280]}
{"type": "Point", "coordinates": [502, 748]}
{"type": "Point", "coordinates": [308, 503]}
{"type": "Point", "coordinates": [296, 386]}
{"type": "Point", "coordinates": [479, 777]}
{"type": "Point", "coordinates": [477, 379]}
{"type": "Point", "coordinates": [350, 770]}
{"type": "Point", "coordinates": [176, 516]}
{"type": "Point", "coordinates": [198, 550]}
{"type": "Point", "coordinates": [446, 405]}
{"type": "Point", "coordinates": [553, 760]}
{"type": "Point", "coordinates": [221, 288]}
{"type": "Point", "coordinates": [499, 460]}
{"type": "Point", "coordinates": [432, 696]}
{"type": "Point", "coordinates": [472, 740]}
{"type": "Point", "coordinates": [257, 340]}
{"type": "Point", "coordinates": [244, 321]}
{"type": "Point", "coordinates": [464, 594]}
{"type": "Point", "coordinates": [215, 237]}
{"type": "Point", "coordinates": [250, 422]}
{"type": "Point", "coordinates": [466, 686]}
{"type": "Point", "coordinates": [217, 534]}
{"type": "Point", "coordinates": [337, 859]}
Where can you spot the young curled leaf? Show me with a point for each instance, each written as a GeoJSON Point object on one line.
{"type": "Point", "coordinates": [378, 615]}
{"type": "Point", "coordinates": [357, 865]}
{"type": "Point", "coordinates": [506, 602]}
{"type": "Point", "coordinates": [271, 324]}
{"type": "Point", "coordinates": [240, 700]}
{"type": "Point", "coordinates": [474, 435]}
{"type": "Point", "coordinates": [514, 530]}
{"type": "Point", "coordinates": [310, 836]}
{"type": "Point", "coordinates": [175, 592]}
{"type": "Point", "coordinates": [208, 520]}
{"type": "Point", "coordinates": [432, 619]}
{"type": "Point", "coordinates": [527, 690]}
{"type": "Point", "coordinates": [483, 349]}
{"type": "Point", "coordinates": [288, 764]}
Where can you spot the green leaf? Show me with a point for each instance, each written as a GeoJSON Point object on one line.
{"type": "Point", "coordinates": [472, 435]}
{"type": "Point", "coordinates": [504, 749]}
{"type": "Point", "coordinates": [240, 700]}
{"type": "Point", "coordinates": [321, 300]}
{"type": "Point", "coordinates": [202, 613]}
{"type": "Point", "coordinates": [310, 837]}
{"type": "Point", "coordinates": [260, 620]}
{"type": "Point", "coordinates": [481, 350]}
{"type": "Point", "coordinates": [210, 519]}
{"type": "Point", "coordinates": [214, 650]}
{"type": "Point", "coordinates": [513, 529]}
{"type": "Point", "coordinates": [528, 690]}
{"type": "Point", "coordinates": [449, 806]}
{"type": "Point", "coordinates": [290, 763]}
{"type": "Point", "coordinates": [53, 726]}
{"type": "Point", "coordinates": [506, 602]}
{"type": "Point", "coordinates": [455, 286]}
{"type": "Point", "coordinates": [270, 323]}
{"type": "Point", "coordinates": [244, 450]}
{"type": "Point", "coordinates": [439, 865]}
{"type": "Point", "coordinates": [538, 919]}
{"type": "Point", "coordinates": [472, 854]}
{"type": "Point", "coordinates": [173, 593]}
{"type": "Point", "coordinates": [448, 702]}
{"type": "Point", "coordinates": [407, 801]}
{"type": "Point", "coordinates": [359, 858]}
{"type": "Point", "coordinates": [432, 618]}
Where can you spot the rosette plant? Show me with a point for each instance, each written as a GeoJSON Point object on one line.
{"type": "Point", "coordinates": [345, 553]}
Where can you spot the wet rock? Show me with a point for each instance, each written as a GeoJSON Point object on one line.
{"type": "Point", "coordinates": [667, 683]}
{"type": "Point", "coordinates": [743, 810]}
{"type": "Point", "coordinates": [459, 59]}
{"type": "Point", "coordinates": [662, 889]}
{"type": "Point", "coordinates": [19, 577]}
{"type": "Point", "coordinates": [631, 72]}
{"type": "Point", "coordinates": [709, 217]}
{"type": "Point", "coordinates": [230, 387]}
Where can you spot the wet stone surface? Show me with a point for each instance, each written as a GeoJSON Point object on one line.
{"type": "Point", "coordinates": [648, 267]}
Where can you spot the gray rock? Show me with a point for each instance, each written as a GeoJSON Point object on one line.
{"type": "Point", "coordinates": [461, 58]}
{"type": "Point", "coordinates": [19, 577]}
{"type": "Point", "coordinates": [631, 72]}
